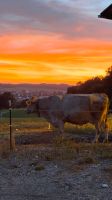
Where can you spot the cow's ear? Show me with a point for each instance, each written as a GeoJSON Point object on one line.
{"type": "Point", "coordinates": [33, 99]}
{"type": "Point", "coordinates": [28, 102]}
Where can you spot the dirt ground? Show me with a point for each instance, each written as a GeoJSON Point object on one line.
{"type": "Point", "coordinates": [30, 174]}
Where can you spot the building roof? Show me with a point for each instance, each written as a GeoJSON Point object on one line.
{"type": "Point", "coordinates": [107, 13]}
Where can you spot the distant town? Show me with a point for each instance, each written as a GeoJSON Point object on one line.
{"type": "Point", "coordinates": [24, 91]}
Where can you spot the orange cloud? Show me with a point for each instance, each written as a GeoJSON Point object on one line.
{"type": "Point", "coordinates": [52, 58]}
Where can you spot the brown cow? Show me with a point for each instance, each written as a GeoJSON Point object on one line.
{"type": "Point", "coordinates": [74, 108]}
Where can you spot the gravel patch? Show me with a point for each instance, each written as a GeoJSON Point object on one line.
{"type": "Point", "coordinates": [53, 180]}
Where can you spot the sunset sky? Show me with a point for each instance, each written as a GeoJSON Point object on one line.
{"type": "Point", "coordinates": [53, 41]}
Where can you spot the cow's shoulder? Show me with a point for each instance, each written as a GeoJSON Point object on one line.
{"type": "Point", "coordinates": [50, 102]}
{"type": "Point", "coordinates": [55, 102]}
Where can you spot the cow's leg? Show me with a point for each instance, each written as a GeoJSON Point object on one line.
{"type": "Point", "coordinates": [97, 133]}
{"type": "Point", "coordinates": [106, 128]}
{"type": "Point", "coordinates": [49, 126]}
{"type": "Point", "coordinates": [61, 127]}
{"type": "Point", "coordinates": [58, 124]}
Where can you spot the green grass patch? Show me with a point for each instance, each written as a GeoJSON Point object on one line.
{"type": "Point", "coordinates": [17, 113]}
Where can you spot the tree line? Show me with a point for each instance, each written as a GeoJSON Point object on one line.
{"type": "Point", "coordinates": [95, 85]}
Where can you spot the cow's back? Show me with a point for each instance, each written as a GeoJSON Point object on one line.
{"type": "Point", "coordinates": [84, 108]}
{"type": "Point", "coordinates": [76, 108]}
{"type": "Point", "coordinates": [76, 102]}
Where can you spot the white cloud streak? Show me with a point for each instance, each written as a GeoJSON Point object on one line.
{"type": "Point", "coordinates": [72, 19]}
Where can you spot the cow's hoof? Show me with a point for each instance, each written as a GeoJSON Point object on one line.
{"type": "Point", "coordinates": [95, 141]}
{"type": "Point", "coordinates": [105, 141]}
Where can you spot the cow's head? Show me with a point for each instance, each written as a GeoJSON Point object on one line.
{"type": "Point", "coordinates": [32, 105]}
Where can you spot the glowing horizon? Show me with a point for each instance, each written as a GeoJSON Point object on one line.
{"type": "Point", "coordinates": [66, 44]}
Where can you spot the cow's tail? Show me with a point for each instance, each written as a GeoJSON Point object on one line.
{"type": "Point", "coordinates": [107, 104]}
{"type": "Point", "coordinates": [104, 111]}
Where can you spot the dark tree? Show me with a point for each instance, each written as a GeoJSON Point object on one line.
{"type": "Point", "coordinates": [4, 100]}
{"type": "Point", "coordinates": [89, 86]}
{"type": "Point", "coordinates": [95, 85]}
{"type": "Point", "coordinates": [107, 82]}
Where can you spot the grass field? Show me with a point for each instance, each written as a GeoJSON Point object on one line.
{"type": "Point", "coordinates": [29, 129]}
{"type": "Point", "coordinates": [22, 123]}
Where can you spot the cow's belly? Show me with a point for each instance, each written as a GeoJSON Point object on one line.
{"type": "Point", "coordinates": [79, 119]}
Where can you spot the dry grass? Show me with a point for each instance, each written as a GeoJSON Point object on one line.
{"type": "Point", "coordinates": [4, 149]}
{"type": "Point", "coordinates": [39, 167]}
{"type": "Point", "coordinates": [63, 148]}
{"type": "Point", "coordinates": [87, 160]}
{"type": "Point", "coordinates": [106, 154]}
{"type": "Point", "coordinates": [81, 163]}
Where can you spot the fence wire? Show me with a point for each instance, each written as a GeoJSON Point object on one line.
{"type": "Point", "coordinates": [23, 122]}
{"type": "Point", "coordinates": [30, 124]}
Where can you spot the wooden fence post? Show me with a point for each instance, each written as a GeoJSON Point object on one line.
{"type": "Point", "coordinates": [12, 138]}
